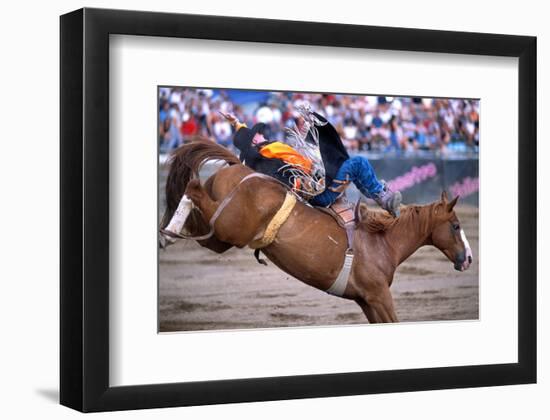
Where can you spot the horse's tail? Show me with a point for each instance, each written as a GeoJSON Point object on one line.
{"type": "Point", "coordinates": [185, 163]}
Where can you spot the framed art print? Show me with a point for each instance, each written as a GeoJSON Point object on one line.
{"type": "Point", "coordinates": [257, 209]}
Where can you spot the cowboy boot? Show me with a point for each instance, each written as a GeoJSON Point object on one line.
{"type": "Point", "coordinates": [389, 200]}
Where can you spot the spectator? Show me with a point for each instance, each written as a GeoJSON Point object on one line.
{"type": "Point", "coordinates": [366, 123]}
{"type": "Point", "coordinates": [222, 131]}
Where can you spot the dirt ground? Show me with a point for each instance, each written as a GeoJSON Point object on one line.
{"type": "Point", "coordinates": [201, 290]}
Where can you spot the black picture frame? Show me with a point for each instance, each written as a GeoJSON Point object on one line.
{"type": "Point", "coordinates": [84, 296]}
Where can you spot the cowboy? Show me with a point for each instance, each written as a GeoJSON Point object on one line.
{"type": "Point", "coordinates": [339, 169]}
{"type": "Point", "coordinates": [268, 157]}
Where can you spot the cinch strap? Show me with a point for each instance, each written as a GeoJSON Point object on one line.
{"type": "Point", "coordinates": [339, 286]}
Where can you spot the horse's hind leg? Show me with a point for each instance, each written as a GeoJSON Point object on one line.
{"type": "Point", "coordinates": [200, 198]}
{"type": "Point", "coordinates": [177, 222]}
{"type": "Point", "coordinates": [194, 194]}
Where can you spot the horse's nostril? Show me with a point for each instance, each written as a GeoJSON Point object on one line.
{"type": "Point", "coordinates": [469, 259]}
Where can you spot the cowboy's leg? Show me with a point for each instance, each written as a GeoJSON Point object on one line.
{"type": "Point", "coordinates": [359, 171]}
{"type": "Point", "coordinates": [350, 171]}
{"type": "Point", "coordinates": [325, 199]}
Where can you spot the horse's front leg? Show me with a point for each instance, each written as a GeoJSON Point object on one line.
{"type": "Point", "coordinates": [378, 305]}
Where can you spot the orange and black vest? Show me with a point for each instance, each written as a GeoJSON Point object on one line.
{"type": "Point", "coordinates": [282, 151]}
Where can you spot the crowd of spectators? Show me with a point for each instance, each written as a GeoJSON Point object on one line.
{"type": "Point", "coordinates": [378, 124]}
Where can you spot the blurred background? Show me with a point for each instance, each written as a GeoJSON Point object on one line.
{"type": "Point", "coordinates": [419, 145]}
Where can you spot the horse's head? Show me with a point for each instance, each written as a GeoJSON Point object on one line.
{"type": "Point", "coordinates": [448, 236]}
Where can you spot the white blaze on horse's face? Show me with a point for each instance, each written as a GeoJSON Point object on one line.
{"type": "Point", "coordinates": [467, 251]}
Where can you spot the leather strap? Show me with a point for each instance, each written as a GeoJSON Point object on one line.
{"type": "Point", "coordinates": [350, 232]}
{"type": "Point", "coordinates": [338, 288]}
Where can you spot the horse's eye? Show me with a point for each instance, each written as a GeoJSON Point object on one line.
{"type": "Point", "coordinates": [456, 226]}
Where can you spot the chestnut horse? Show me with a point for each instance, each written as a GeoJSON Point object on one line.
{"type": "Point", "coordinates": [310, 245]}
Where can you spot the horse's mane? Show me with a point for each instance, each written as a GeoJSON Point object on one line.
{"type": "Point", "coordinates": [185, 163]}
{"type": "Point", "coordinates": [375, 221]}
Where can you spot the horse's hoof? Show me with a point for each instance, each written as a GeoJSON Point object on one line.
{"type": "Point", "coordinates": [165, 240]}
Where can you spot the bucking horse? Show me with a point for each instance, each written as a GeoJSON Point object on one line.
{"type": "Point", "coordinates": [236, 207]}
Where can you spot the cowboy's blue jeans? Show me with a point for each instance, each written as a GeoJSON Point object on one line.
{"type": "Point", "coordinates": [356, 169]}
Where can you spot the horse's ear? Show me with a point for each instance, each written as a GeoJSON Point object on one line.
{"type": "Point", "coordinates": [444, 197]}
{"type": "Point", "coordinates": [452, 203]}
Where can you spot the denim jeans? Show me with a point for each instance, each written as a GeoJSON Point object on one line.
{"type": "Point", "coordinates": [356, 169]}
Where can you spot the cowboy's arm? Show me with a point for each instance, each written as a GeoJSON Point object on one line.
{"type": "Point", "coordinates": [234, 121]}
{"type": "Point", "coordinates": [275, 150]}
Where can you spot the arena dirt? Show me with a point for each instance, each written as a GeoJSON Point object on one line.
{"type": "Point", "coordinates": [201, 290]}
